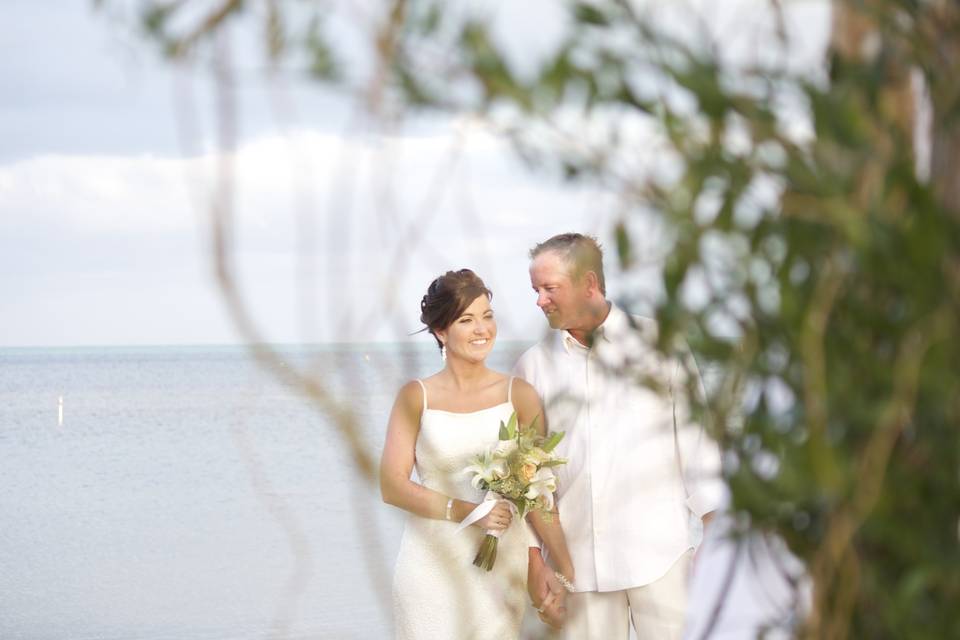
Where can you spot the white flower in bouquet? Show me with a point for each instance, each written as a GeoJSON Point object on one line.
{"type": "Point", "coordinates": [504, 448]}
{"type": "Point", "coordinates": [487, 467]}
{"type": "Point", "coordinates": [544, 483]}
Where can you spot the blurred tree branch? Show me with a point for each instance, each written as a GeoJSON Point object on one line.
{"type": "Point", "coordinates": [826, 263]}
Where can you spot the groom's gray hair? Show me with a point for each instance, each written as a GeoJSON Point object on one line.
{"type": "Point", "coordinates": [582, 254]}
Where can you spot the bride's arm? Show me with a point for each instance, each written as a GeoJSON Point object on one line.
{"type": "Point", "coordinates": [542, 582]}
{"type": "Point", "coordinates": [396, 465]}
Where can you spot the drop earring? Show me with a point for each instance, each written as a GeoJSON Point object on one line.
{"type": "Point", "coordinates": [443, 353]}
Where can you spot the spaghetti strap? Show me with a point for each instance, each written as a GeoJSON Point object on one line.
{"type": "Point", "coordinates": [510, 390]}
{"type": "Point", "coordinates": [424, 388]}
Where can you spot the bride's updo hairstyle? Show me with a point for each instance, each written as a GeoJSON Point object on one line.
{"type": "Point", "coordinates": [448, 297]}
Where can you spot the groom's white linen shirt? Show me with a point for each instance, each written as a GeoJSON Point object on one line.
{"type": "Point", "coordinates": [631, 479]}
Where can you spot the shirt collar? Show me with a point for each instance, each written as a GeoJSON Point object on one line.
{"type": "Point", "coordinates": [614, 324]}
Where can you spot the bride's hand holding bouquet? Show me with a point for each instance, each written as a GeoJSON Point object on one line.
{"type": "Point", "coordinates": [499, 518]}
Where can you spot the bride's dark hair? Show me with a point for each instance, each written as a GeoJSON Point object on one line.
{"type": "Point", "coordinates": [448, 297]}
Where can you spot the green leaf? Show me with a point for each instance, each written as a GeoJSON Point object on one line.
{"type": "Point", "coordinates": [554, 463]}
{"type": "Point", "coordinates": [322, 58]}
{"type": "Point", "coordinates": [533, 424]}
{"type": "Point", "coordinates": [504, 432]}
{"type": "Point", "coordinates": [623, 245]}
{"type": "Point", "coordinates": [589, 14]}
{"type": "Point", "coordinates": [155, 18]}
{"type": "Point", "coordinates": [512, 425]}
{"type": "Point", "coordinates": [552, 441]}
{"type": "Point", "coordinates": [431, 21]}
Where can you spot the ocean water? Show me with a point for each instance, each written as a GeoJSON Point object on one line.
{"type": "Point", "coordinates": [190, 494]}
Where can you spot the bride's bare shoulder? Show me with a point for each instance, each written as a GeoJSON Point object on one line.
{"type": "Point", "coordinates": [410, 396]}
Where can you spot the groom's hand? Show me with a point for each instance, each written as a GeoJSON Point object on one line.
{"type": "Point", "coordinates": [553, 610]}
{"type": "Point", "coordinates": [554, 615]}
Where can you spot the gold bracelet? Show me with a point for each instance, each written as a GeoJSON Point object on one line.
{"type": "Point", "coordinates": [562, 579]}
{"type": "Point", "coordinates": [449, 513]}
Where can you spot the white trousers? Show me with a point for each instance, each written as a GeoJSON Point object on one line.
{"type": "Point", "coordinates": [656, 610]}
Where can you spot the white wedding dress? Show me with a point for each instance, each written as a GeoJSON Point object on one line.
{"type": "Point", "coordinates": [438, 593]}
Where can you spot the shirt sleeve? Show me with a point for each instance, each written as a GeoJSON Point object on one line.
{"type": "Point", "coordinates": [705, 487]}
{"type": "Point", "coordinates": [523, 367]}
{"type": "Point", "coordinates": [699, 453]}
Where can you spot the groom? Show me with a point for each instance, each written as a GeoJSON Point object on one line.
{"type": "Point", "coordinates": [637, 468]}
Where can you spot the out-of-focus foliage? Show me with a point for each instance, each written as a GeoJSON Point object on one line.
{"type": "Point", "coordinates": [807, 258]}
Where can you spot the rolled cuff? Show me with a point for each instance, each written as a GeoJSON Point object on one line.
{"type": "Point", "coordinates": [709, 496]}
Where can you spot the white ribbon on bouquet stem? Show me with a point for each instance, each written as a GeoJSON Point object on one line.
{"type": "Point", "coordinates": [489, 502]}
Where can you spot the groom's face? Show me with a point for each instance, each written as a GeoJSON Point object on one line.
{"type": "Point", "coordinates": [561, 299]}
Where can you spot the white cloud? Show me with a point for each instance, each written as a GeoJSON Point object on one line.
{"type": "Point", "coordinates": [352, 228]}
{"type": "Point", "coordinates": [95, 194]}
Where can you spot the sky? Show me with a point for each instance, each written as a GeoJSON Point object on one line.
{"type": "Point", "coordinates": [108, 163]}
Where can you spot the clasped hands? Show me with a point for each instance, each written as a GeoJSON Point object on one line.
{"type": "Point", "coordinates": [547, 594]}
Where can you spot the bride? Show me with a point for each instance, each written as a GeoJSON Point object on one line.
{"type": "Point", "coordinates": [437, 424]}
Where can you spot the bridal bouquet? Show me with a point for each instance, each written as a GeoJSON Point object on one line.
{"type": "Point", "coordinates": [516, 469]}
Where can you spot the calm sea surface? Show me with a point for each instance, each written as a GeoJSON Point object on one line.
{"type": "Point", "coordinates": [189, 494]}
